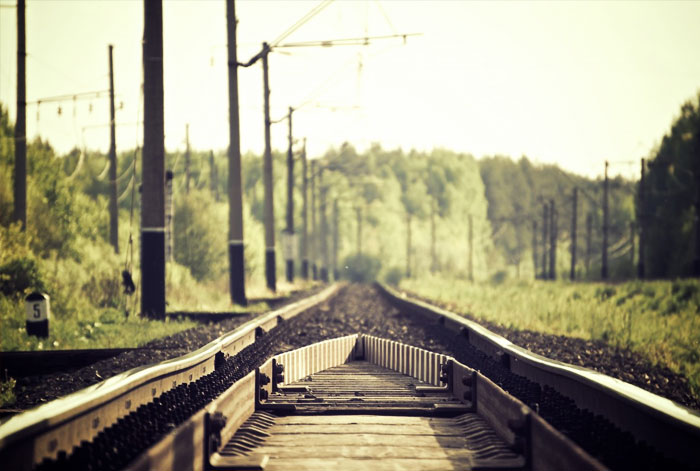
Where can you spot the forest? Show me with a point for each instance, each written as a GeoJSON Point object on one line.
{"type": "Point", "coordinates": [386, 214]}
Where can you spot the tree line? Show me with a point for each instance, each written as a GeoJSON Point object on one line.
{"type": "Point", "coordinates": [411, 212]}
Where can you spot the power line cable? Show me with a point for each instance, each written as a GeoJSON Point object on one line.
{"type": "Point", "coordinates": [313, 12]}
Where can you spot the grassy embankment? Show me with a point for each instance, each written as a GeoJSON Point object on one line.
{"type": "Point", "coordinates": [659, 319]}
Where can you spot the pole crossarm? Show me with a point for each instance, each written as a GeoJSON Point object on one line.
{"type": "Point", "coordinates": [360, 41]}
{"type": "Point", "coordinates": [72, 96]}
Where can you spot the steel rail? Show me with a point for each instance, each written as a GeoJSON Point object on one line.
{"type": "Point", "coordinates": [28, 438]}
{"type": "Point", "coordinates": [669, 427]}
{"type": "Point", "coordinates": [222, 437]}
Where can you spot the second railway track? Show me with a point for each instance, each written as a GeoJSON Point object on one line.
{"type": "Point", "coordinates": [156, 417]}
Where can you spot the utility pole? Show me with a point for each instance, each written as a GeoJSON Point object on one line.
{"type": "Point", "coordinates": [470, 267]}
{"type": "Point", "coordinates": [574, 214]}
{"type": "Point", "coordinates": [408, 244]}
{"type": "Point", "coordinates": [20, 181]}
{"type": "Point", "coordinates": [323, 189]}
{"type": "Point", "coordinates": [534, 247]}
{"type": "Point", "coordinates": [632, 231]}
{"type": "Point", "coordinates": [169, 211]}
{"type": "Point", "coordinates": [113, 209]}
{"type": "Point", "coordinates": [187, 159]}
{"type": "Point", "coordinates": [589, 236]}
{"type": "Point", "coordinates": [314, 225]}
{"type": "Point", "coordinates": [553, 241]}
{"type": "Point", "coordinates": [545, 234]}
{"type": "Point", "coordinates": [235, 191]}
{"type": "Point", "coordinates": [433, 255]}
{"type": "Point", "coordinates": [304, 216]}
{"type": "Point", "coordinates": [152, 166]}
{"type": "Point", "coordinates": [642, 223]}
{"type": "Point", "coordinates": [696, 255]}
{"type": "Point", "coordinates": [290, 203]}
{"type": "Point", "coordinates": [214, 178]}
{"type": "Point", "coordinates": [358, 210]}
{"type": "Point", "coordinates": [336, 274]}
{"type": "Point", "coordinates": [270, 271]}
{"type": "Point", "coordinates": [604, 265]}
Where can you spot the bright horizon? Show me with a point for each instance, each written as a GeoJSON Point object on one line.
{"type": "Point", "coordinates": [570, 83]}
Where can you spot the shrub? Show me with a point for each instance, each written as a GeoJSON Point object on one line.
{"type": "Point", "coordinates": [393, 276]}
{"type": "Point", "coordinates": [20, 275]}
{"type": "Point", "coordinates": [362, 268]}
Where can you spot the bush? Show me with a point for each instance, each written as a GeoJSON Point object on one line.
{"type": "Point", "coordinates": [200, 240]}
{"type": "Point", "coordinates": [20, 275]}
{"type": "Point", "coordinates": [362, 268]}
{"type": "Point", "coordinates": [393, 276]}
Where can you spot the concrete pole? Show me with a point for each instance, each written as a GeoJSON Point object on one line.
{"type": "Point", "coordinates": [290, 200]}
{"type": "Point", "coordinates": [113, 208]}
{"type": "Point", "coordinates": [270, 270]}
{"type": "Point", "coordinates": [604, 265]}
{"type": "Point", "coordinates": [235, 191]}
{"type": "Point", "coordinates": [642, 223]}
{"type": "Point", "coordinates": [152, 166]}
{"type": "Point", "coordinates": [305, 216]}
{"type": "Point", "coordinates": [20, 174]}
{"type": "Point", "coordinates": [574, 214]}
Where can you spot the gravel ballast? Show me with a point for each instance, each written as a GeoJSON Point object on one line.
{"type": "Point", "coordinates": [361, 308]}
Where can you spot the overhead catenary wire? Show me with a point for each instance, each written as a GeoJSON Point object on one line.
{"type": "Point", "coordinates": [300, 22]}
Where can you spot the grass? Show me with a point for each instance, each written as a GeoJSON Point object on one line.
{"type": "Point", "coordinates": [658, 319]}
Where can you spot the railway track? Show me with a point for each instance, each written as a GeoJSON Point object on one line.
{"type": "Point", "coordinates": [342, 402]}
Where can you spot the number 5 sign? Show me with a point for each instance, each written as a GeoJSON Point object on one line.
{"type": "Point", "coordinates": [38, 314]}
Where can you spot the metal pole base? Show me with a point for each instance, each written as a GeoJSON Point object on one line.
{"type": "Point", "coordinates": [290, 271]}
{"type": "Point", "coordinates": [270, 269]}
{"type": "Point", "coordinates": [237, 273]}
{"type": "Point", "coordinates": [153, 274]}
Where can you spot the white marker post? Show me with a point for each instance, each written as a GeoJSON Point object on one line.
{"type": "Point", "coordinates": [38, 314]}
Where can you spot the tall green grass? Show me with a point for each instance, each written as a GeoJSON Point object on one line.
{"type": "Point", "coordinates": [658, 319]}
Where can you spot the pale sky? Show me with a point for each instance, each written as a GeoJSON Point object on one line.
{"type": "Point", "coordinates": [572, 83]}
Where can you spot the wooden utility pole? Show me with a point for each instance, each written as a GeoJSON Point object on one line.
{"type": "Point", "coordinates": [113, 209]}
{"type": "Point", "coordinates": [470, 267]}
{"type": "Point", "coordinates": [696, 255]}
{"type": "Point", "coordinates": [574, 216]}
{"type": "Point", "coordinates": [534, 247]}
{"type": "Point", "coordinates": [336, 273]}
{"type": "Point", "coordinates": [604, 265]}
{"type": "Point", "coordinates": [290, 202]}
{"type": "Point", "coordinates": [235, 191]}
{"type": "Point", "coordinates": [632, 252]}
{"type": "Point", "coordinates": [433, 253]}
{"type": "Point", "coordinates": [323, 190]}
{"type": "Point", "coordinates": [169, 212]}
{"type": "Point", "coordinates": [20, 181]}
{"type": "Point", "coordinates": [642, 223]}
{"type": "Point", "coordinates": [408, 244]}
{"type": "Point", "coordinates": [552, 241]}
{"type": "Point", "coordinates": [270, 270]}
{"type": "Point", "coordinates": [187, 159]}
{"type": "Point", "coordinates": [314, 224]}
{"type": "Point", "coordinates": [358, 210]}
{"type": "Point", "coordinates": [214, 176]}
{"type": "Point", "coordinates": [152, 166]}
{"type": "Point", "coordinates": [589, 237]}
{"type": "Point", "coordinates": [545, 235]}
{"type": "Point", "coordinates": [304, 217]}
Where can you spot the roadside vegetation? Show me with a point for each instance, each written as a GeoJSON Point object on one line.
{"type": "Point", "coordinates": [659, 319]}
